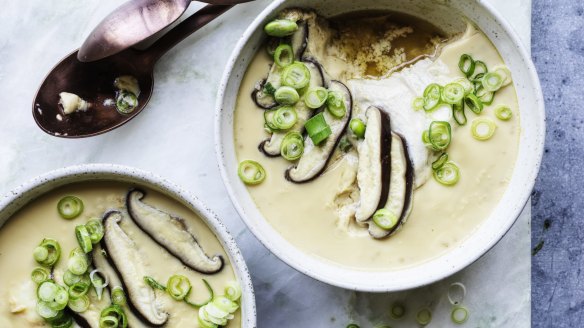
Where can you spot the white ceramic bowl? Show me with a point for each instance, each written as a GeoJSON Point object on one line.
{"type": "Point", "coordinates": [444, 14]}
{"type": "Point", "coordinates": [29, 191]}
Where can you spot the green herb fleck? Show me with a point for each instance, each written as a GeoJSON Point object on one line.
{"type": "Point", "coordinates": [537, 248]}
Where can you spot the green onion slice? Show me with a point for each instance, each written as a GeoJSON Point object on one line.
{"type": "Point", "coordinates": [459, 315]}
{"type": "Point", "coordinates": [78, 289]}
{"type": "Point", "coordinates": [426, 138]}
{"type": "Point", "coordinates": [286, 96]}
{"type": "Point", "coordinates": [47, 253]}
{"type": "Point", "coordinates": [83, 238]}
{"type": "Point", "coordinates": [317, 128]}
{"type": "Point", "coordinates": [118, 296]}
{"type": "Point", "coordinates": [126, 102]}
{"type": "Point", "coordinates": [448, 174]}
{"type": "Point", "coordinates": [45, 311]}
{"type": "Point", "coordinates": [385, 219]}
{"type": "Point", "coordinates": [440, 161]}
{"type": "Point", "coordinates": [418, 103]}
{"type": "Point", "coordinates": [153, 283]}
{"type": "Point", "coordinates": [453, 93]}
{"type": "Point", "coordinates": [480, 68]}
{"type": "Point", "coordinates": [432, 96]}
{"type": "Point", "coordinates": [95, 229]}
{"type": "Point", "coordinates": [211, 296]}
{"type": "Point", "coordinates": [292, 146]}
{"type": "Point", "coordinates": [99, 281]}
{"type": "Point", "coordinates": [483, 128]}
{"type": "Point", "coordinates": [285, 117]}
{"type": "Point", "coordinates": [113, 316]}
{"type": "Point", "coordinates": [458, 113]}
{"type": "Point", "coordinates": [335, 104]}
{"type": "Point", "coordinates": [70, 207]}
{"type": "Point", "coordinates": [178, 287]}
{"type": "Point", "coordinates": [358, 127]}
{"type": "Point", "coordinates": [397, 311]}
{"type": "Point", "coordinates": [225, 304]}
{"type": "Point", "coordinates": [69, 278]}
{"type": "Point", "coordinates": [40, 275]}
{"type": "Point", "coordinates": [284, 55]}
{"type": "Point", "coordinates": [269, 119]}
{"type": "Point", "coordinates": [251, 172]}
{"type": "Point", "coordinates": [233, 290]}
{"type": "Point", "coordinates": [503, 112]}
{"type": "Point", "coordinates": [466, 65]}
{"type": "Point", "coordinates": [492, 81]}
{"type": "Point", "coordinates": [456, 293]}
{"type": "Point", "coordinates": [78, 263]}
{"type": "Point", "coordinates": [486, 97]}
{"type": "Point", "coordinates": [62, 320]}
{"type": "Point", "coordinates": [296, 75]}
{"type": "Point", "coordinates": [315, 97]}
{"type": "Point", "coordinates": [281, 27]}
{"type": "Point", "coordinates": [505, 73]}
{"type": "Point", "coordinates": [466, 84]}
{"type": "Point", "coordinates": [47, 291]}
{"type": "Point", "coordinates": [424, 316]}
{"type": "Point", "coordinates": [473, 103]}
{"type": "Point", "coordinates": [439, 135]}
{"type": "Point", "coordinates": [79, 304]}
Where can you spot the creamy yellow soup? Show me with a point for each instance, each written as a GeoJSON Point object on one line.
{"type": "Point", "coordinates": [40, 219]}
{"type": "Point", "coordinates": [307, 215]}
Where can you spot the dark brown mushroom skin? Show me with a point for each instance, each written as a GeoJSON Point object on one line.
{"type": "Point", "coordinates": [385, 157]}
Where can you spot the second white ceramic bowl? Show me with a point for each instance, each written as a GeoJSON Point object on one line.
{"type": "Point", "coordinates": [445, 14]}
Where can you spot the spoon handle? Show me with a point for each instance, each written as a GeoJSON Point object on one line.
{"type": "Point", "coordinates": [183, 30]}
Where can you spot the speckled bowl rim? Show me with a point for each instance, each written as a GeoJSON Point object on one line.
{"type": "Point", "coordinates": [457, 258]}
{"type": "Point", "coordinates": [17, 198]}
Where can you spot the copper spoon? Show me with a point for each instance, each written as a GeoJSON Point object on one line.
{"type": "Point", "coordinates": [93, 81]}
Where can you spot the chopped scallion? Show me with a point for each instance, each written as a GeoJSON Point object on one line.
{"type": "Point", "coordinates": [424, 316]}
{"type": "Point", "coordinates": [483, 128]}
{"type": "Point", "coordinates": [286, 96]}
{"type": "Point", "coordinates": [99, 281]}
{"type": "Point", "coordinates": [284, 118]}
{"type": "Point", "coordinates": [440, 161]}
{"type": "Point", "coordinates": [233, 291]}
{"type": "Point", "coordinates": [317, 128]}
{"type": "Point", "coordinates": [432, 96]}
{"type": "Point", "coordinates": [439, 135]}
{"type": "Point", "coordinates": [453, 93]}
{"type": "Point", "coordinates": [284, 55]}
{"type": "Point", "coordinates": [70, 207]}
{"type": "Point", "coordinates": [503, 112]}
{"type": "Point", "coordinates": [473, 103]}
{"type": "Point", "coordinates": [95, 229]}
{"type": "Point", "coordinates": [79, 304]}
{"type": "Point", "coordinates": [83, 238]}
{"type": "Point", "coordinates": [251, 172]}
{"type": "Point", "coordinates": [385, 219]}
{"type": "Point", "coordinates": [39, 275]}
{"type": "Point", "coordinates": [211, 296]}
{"type": "Point", "coordinates": [466, 65]}
{"type": "Point", "coordinates": [335, 104]}
{"type": "Point", "coordinates": [459, 315]}
{"type": "Point", "coordinates": [448, 174]}
{"type": "Point", "coordinates": [315, 97]}
{"type": "Point", "coordinates": [178, 287]}
{"type": "Point", "coordinates": [296, 75]}
{"type": "Point", "coordinates": [292, 146]}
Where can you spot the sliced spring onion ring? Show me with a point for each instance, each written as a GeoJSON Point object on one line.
{"type": "Point", "coordinates": [126, 102]}
{"type": "Point", "coordinates": [483, 128]}
{"type": "Point", "coordinates": [315, 97]}
{"type": "Point", "coordinates": [492, 81]}
{"type": "Point", "coordinates": [448, 174]}
{"type": "Point", "coordinates": [78, 289]}
{"type": "Point", "coordinates": [45, 311]}
{"type": "Point", "coordinates": [453, 93]}
{"type": "Point", "coordinates": [47, 291]}
{"type": "Point", "coordinates": [285, 117]}
{"type": "Point", "coordinates": [480, 68]}
{"type": "Point", "coordinates": [432, 95]}
{"type": "Point", "coordinates": [335, 104]}
{"type": "Point", "coordinates": [456, 293]}
{"type": "Point", "coordinates": [83, 238]}
{"type": "Point", "coordinates": [99, 281]}
{"type": "Point", "coordinates": [281, 27]}
{"type": "Point", "coordinates": [211, 296]}
{"type": "Point", "coordinates": [398, 310]}
{"type": "Point", "coordinates": [505, 73]}
{"type": "Point", "coordinates": [418, 103]}
{"type": "Point", "coordinates": [118, 296]}
{"type": "Point", "coordinates": [225, 304]}
{"type": "Point", "coordinates": [286, 96]}
{"type": "Point", "coordinates": [47, 253]}
{"type": "Point", "coordinates": [233, 290]}
{"type": "Point", "coordinates": [485, 96]}
{"type": "Point", "coordinates": [251, 172]}
{"type": "Point", "coordinates": [385, 219]}
{"type": "Point", "coordinates": [459, 314]}
{"type": "Point", "coordinates": [466, 65]}
{"type": "Point", "coordinates": [458, 113]}
{"type": "Point", "coordinates": [473, 103]}
{"type": "Point", "coordinates": [78, 264]}
{"type": "Point", "coordinates": [79, 304]}
{"type": "Point", "coordinates": [358, 127]}
{"type": "Point", "coordinates": [466, 84]}
{"type": "Point", "coordinates": [284, 55]}
{"type": "Point", "coordinates": [440, 161]}
{"type": "Point", "coordinates": [70, 207]}
{"type": "Point", "coordinates": [153, 283]}
{"type": "Point", "coordinates": [296, 75]}
{"type": "Point", "coordinates": [503, 112]}
{"type": "Point", "coordinates": [292, 146]}
{"type": "Point", "coordinates": [113, 316]}
{"type": "Point", "coordinates": [39, 275]}
{"type": "Point", "coordinates": [61, 299]}
{"type": "Point", "coordinates": [317, 128]}
{"type": "Point", "coordinates": [178, 287]}
{"type": "Point", "coordinates": [439, 135]}
{"type": "Point", "coordinates": [426, 138]}
{"type": "Point", "coordinates": [269, 119]}
{"type": "Point", "coordinates": [95, 229]}
{"type": "Point", "coordinates": [424, 316]}
{"type": "Point", "coordinates": [69, 278]}
{"type": "Point", "coordinates": [63, 320]}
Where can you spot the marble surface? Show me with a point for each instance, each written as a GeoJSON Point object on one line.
{"type": "Point", "coordinates": [173, 138]}
{"type": "Point", "coordinates": [558, 52]}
